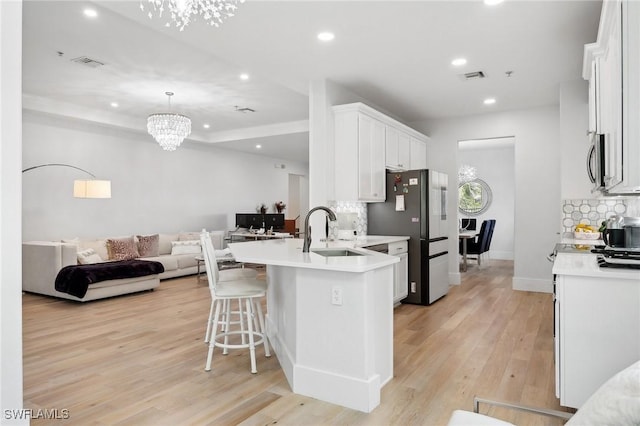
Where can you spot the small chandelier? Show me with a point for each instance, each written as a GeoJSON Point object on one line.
{"type": "Point", "coordinates": [214, 12]}
{"type": "Point", "coordinates": [466, 173]}
{"type": "Point", "coordinates": [169, 129]}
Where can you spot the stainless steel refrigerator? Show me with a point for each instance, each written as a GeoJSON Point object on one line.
{"type": "Point", "coordinates": [416, 206]}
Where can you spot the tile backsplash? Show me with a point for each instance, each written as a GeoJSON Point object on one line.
{"type": "Point", "coordinates": [351, 215]}
{"type": "Point", "coordinates": [592, 212]}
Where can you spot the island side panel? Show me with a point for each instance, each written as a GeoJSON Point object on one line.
{"type": "Point", "coordinates": [344, 352]}
{"type": "Point", "coordinates": [281, 316]}
{"type": "Point", "coordinates": [380, 314]}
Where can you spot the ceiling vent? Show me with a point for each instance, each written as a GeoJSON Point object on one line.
{"type": "Point", "coordinates": [245, 109]}
{"type": "Point", "coordinates": [473, 75]}
{"type": "Point", "coordinates": [83, 60]}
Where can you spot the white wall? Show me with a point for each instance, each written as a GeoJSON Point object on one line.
{"type": "Point", "coordinates": [10, 248]}
{"type": "Point", "coordinates": [537, 177]}
{"type": "Point", "coordinates": [495, 166]}
{"type": "Point", "coordinates": [153, 190]}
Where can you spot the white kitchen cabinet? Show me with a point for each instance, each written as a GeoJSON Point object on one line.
{"type": "Point", "coordinates": [612, 66]}
{"type": "Point", "coordinates": [360, 134]}
{"type": "Point", "coordinates": [597, 332]}
{"type": "Point", "coordinates": [400, 270]}
{"type": "Point", "coordinates": [401, 278]}
{"type": "Point", "coordinates": [418, 154]}
{"type": "Point", "coordinates": [397, 149]}
{"type": "Point", "coordinates": [359, 156]}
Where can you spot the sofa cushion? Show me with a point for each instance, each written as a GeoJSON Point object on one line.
{"type": "Point", "coordinates": [122, 248]}
{"type": "Point", "coordinates": [164, 245]}
{"type": "Point", "coordinates": [189, 236]}
{"type": "Point", "coordinates": [186, 247]}
{"type": "Point", "coordinates": [186, 260]}
{"type": "Point", "coordinates": [148, 245]}
{"type": "Point", "coordinates": [88, 256]}
{"type": "Point", "coordinates": [169, 262]}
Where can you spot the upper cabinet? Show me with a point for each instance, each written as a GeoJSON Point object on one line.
{"type": "Point", "coordinates": [397, 149]}
{"type": "Point", "coordinates": [367, 143]}
{"type": "Point", "coordinates": [418, 154]}
{"type": "Point", "coordinates": [612, 68]}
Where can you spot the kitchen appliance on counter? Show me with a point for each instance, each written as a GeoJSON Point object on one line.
{"type": "Point", "coordinates": [416, 206]}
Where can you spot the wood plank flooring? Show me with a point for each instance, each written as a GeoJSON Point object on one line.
{"type": "Point", "coordinates": [139, 360]}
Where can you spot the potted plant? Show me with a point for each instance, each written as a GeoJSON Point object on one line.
{"type": "Point", "coordinates": [280, 206]}
{"type": "Point", "coordinates": [262, 208]}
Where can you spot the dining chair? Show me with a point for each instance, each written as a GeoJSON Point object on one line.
{"type": "Point", "coordinates": [245, 290]}
{"type": "Point", "coordinates": [482, 243]}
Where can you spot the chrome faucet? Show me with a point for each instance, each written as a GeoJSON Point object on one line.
{"type": "Point", "coordinates": [307, 228]}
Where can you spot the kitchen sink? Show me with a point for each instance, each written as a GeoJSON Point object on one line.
{"type": "Point", "coordinates": [336, 252]}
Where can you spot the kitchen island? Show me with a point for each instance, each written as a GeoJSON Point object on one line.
{"type": "Point", "coordinates": [329, 317]}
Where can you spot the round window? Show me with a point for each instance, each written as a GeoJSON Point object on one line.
{"type": "Point", "coordinates": [474, 197]}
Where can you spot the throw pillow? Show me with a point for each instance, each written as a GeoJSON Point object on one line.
{"type": "Point", "coordinates": [122, 248]}
{"type": "Point", "coordinates": [148, 245]}
{"type": "Point", "coordinates": [186, 247]}
{"type": "Point", "coordinates": [88, 256]}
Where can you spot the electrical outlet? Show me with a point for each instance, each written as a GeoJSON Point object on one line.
{"type": "Point", "coordinates": [413, 286]}
{"type": "Point", "coordinates": [336, 295]}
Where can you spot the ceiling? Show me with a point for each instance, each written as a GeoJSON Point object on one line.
{"type": "Point", "coordinates": [397, 54]}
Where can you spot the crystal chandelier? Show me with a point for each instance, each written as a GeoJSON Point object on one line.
{"type": "Point", "coordinates": [214, 12]}
{"type": "Point", "coordinates": [169, 129]}
{"type": "Point", "coordinates": [466, 173]}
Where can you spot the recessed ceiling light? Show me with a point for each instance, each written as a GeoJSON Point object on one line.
{"type": "Point", "coordinates": [206, 126]}
{"type": "Point", "coordinates": [492, 2]}
{"type": "Point", "coordinates": [114, 104]}
{"type": "Point", "coordinates": [90, 13]}
{"type": "Point", "coordinates": [244, 76]}
{"type": "Point", "coordinates": [458, 62]}
{"type": "Point", "coordinates": [326, 36]}
{"type": "Point", "coordinates": [258, 146]}
{"type": "Point", "coordinates": [489, 101]}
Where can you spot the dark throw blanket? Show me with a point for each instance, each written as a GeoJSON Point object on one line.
{"type": "Point", "coordinates": [75, 279]}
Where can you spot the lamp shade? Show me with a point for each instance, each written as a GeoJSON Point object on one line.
{"type": "Point", "coordinates": [92, 188]}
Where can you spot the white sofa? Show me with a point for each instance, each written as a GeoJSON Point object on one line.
{"type": "Point", "coordinates": [42, 260]}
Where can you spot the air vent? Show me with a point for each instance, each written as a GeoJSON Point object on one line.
{"type": "Point", "coordinates": [473, 75]}
{"type": "Point", "coordinates": [245, 109]}
{"type": "Point", "coordinates": [83, 60]}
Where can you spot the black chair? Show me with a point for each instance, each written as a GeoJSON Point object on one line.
{"type": "Point", "coordinates": [482, 242]}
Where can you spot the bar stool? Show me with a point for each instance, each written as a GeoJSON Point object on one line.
{"type": "Point", "coordinates": [247, 290]}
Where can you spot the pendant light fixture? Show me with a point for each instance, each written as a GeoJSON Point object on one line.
{"type": "Point", "coordinates": [167, 128]}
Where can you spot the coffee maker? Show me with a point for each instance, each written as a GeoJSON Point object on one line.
{"type": "Point", "coordinates": [613, 235]}
{"type": "Point", "coordinates": [622, 232]}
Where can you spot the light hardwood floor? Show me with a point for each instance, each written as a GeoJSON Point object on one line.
{"type": "Point", "coordinates": [139, 360]}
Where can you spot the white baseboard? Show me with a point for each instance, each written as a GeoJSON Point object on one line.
{"type": "Point", "coordinates": [532, 284]}
{"type": "Point", "coordinates": [501, 255]}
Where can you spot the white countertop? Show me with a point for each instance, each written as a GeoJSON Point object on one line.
{"type": "Point", "coordinates": [288, 252]}
{"type": "Point", "coordinates": [579, 264]}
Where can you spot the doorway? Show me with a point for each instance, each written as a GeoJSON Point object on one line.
{"type": "Point", "coordinates": [298, 198]}
{"type": "Point", "coordinates": [494, 163]}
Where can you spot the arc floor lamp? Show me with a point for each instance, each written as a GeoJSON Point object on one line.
{"type": "Point", "coordinates": [83, 188]}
